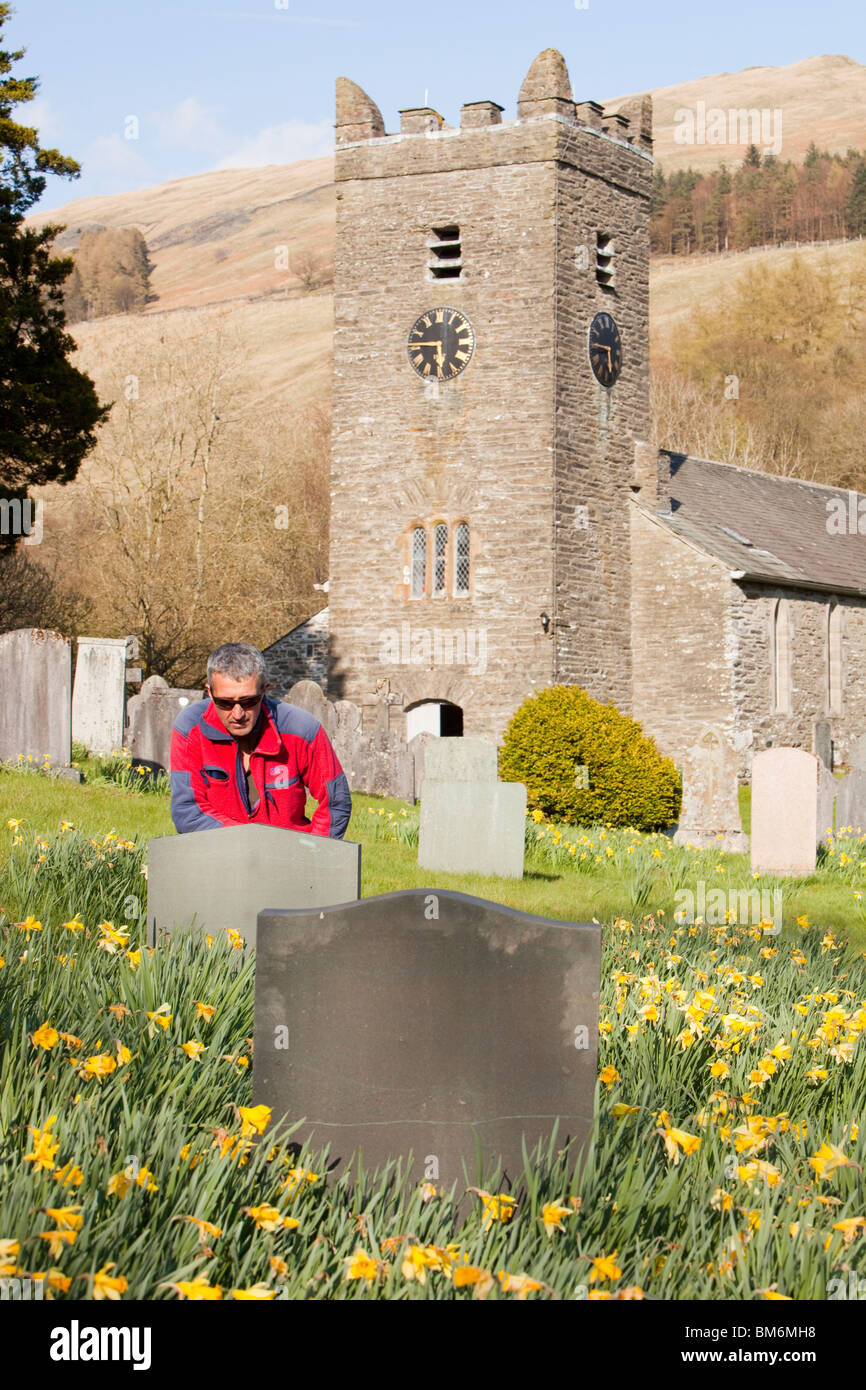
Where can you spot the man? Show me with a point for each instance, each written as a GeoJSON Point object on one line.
{"type": "Point", "coordinates": [239, 758]}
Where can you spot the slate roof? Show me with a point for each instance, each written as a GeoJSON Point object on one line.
{"type": "Point", "coordinates": [765, 527]}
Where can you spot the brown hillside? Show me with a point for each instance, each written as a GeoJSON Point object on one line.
{"type": "Point", "coordinates": [821, 99]}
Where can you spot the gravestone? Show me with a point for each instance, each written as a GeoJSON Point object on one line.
{"type": "Point", "coordinates": [151, 715]}
{"type": "Point", "coordinates": [35, 695]}
{"type": "Point", "coordinates": [851, 801]}
{"type": "Point", "coordinates": [827, 812]}
{"type": "Point", "coordinates": [470, 823]}
{"type": "Point", "coordinates": [784, 811]}
{"type": "Point", "coordinates": [225, 877]}
{"type": "Point", "coordinates": [822, 742]}
{"type": "Point", "coordinates": [376, 761]}
{"type": "Point", "coordinates": [710, 807]}
{"type": "Point", "coordinates": [430, 1022]}
{"type": "Point", "coordinates": [461, 760]}
{"type": "Point", "coordinates": [99, 693]}
{"type": "Point", "coordinates": [857, 756]}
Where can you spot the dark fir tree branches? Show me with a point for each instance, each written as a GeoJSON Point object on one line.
{"type": "Point", "coordinates": [48, 409]}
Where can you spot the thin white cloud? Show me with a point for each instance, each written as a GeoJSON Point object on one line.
{"type": "Point", "coordinates": [282, 144]}
{"type": "Point", "coordinates": [282, 17]}
{"type": "Point", "coordinates": [40, 114]}
{"type": "Point", "coordinates": [112, 157]}
{"type": "Point", "coordinates": [187, 126]}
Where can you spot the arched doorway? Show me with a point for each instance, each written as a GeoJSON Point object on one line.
{"type": "Point", "coordinates": [439, 717]}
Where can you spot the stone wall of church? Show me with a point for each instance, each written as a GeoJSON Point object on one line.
{"type": "Point", "coordinates": [604, 189]}
{"type": "Point", "coordinates": [753, 613]}
{"type": "Point", "coordinates": [681, 639]}
{"type": "Point", "coordinates": [301, 654]}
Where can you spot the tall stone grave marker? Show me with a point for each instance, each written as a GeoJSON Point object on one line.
{"type": "Point", "coordinates": [429, 1022]}
{"type": "Point", "coordinates": [827, 813]}
{"type": "Point", "coordinates": [35, 695]}
{"type": "Point", "coordinates": [711, 808]}
{"type": "Point", "coordinates": [470, 822]}
{"type": "Point", "coordinates": [822, 741]}
{"type": "Point", "coordinates": [99, 693]}
{"type": "Point", "coordinates": [151, 715]}
{"type": "Point", "coordinates": [225, 877]}
{"type": "Point", "coordinates": [784, 811]}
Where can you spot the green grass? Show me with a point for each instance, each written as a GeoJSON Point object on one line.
{"type": "Point", "coordinates": [668, 1197]}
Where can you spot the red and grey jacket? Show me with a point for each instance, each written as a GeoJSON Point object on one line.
{"type": "Point", "coordinates": [293, 756]}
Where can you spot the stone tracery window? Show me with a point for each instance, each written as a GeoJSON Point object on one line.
{"type": "Point", "coordinates": [781, 659]}
{"type": "Point", "coordinates": [461, 562]}
{"type": "Point", "coordinates": [418, 580]}
{"type": "Point", "coordinates": [450, 561]}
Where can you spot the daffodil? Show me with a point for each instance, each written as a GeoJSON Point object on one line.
{"type": "Point", "coordinates": [552, 1214]}
{"type": "Point", "coordinates": [521, 1284]}
{"type": "Point", "coordinates": [57, 1240]}
{"type": "Point", "coordinates": [828, 1159]}
{"type": "Point", "coordinates": [67, 1218]}
{"type": "Point", "coordinates": [268, 1218]}
{"type": "Point", "coordinates": [45, 1036]}
{"type": "Point", "coordinates": [108, 1286]}
{"type": "Point", "coordinates": [256, 1293]}
{"type": "Point", "coordinates": [205, 1011]}
{"type": "Point", "coordinates": [604, 1267]}
{"type": "Point", "coordinates": [193, 1049]}
{"type": "Point", "coordinates": [363, 1266]}
{"type": "Point", "coordinates": [254, 1119]}
{"type": "Point", "coordinates": [199, 1290]}
{"type": "Point", "coordinates": [608, 1075]}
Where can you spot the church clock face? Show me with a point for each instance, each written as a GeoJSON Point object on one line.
{"type": "Point", "coordinates": [605, 349]}
{"type": "Point", "coordinates": [441, 343]}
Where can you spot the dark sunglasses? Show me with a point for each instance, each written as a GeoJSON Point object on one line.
{"type": "Point", "coordinates": [245, 701]}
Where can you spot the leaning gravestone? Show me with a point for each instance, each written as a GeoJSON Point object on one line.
{"type": "Point", "coordinates": [225, 877]}
{"type": "Point", "coordinates": [470, 823]}
{"type": "Point", "coordinates": [35, 695]}
{"type": "Point", "coordinates": [784, 811]}
{"type": "Point", "coordinates": [151, 715]}
{"type": "Point", "coordinates": [429, 1022]}
{"type": "Point", "coordinates": [710, 813]}
{"type": "Point", "coordinates": [99, 693]}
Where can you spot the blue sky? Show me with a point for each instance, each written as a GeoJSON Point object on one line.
{"type": "Point", "coordinates": [248, 82]}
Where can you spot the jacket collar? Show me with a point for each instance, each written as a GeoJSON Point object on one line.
{"type": "Point", "coordinates": [269, 743]}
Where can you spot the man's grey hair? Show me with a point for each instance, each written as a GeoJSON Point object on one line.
{"type": "Point", "coordinates": [238, 660]}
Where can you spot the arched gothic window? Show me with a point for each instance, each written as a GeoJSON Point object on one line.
{"type": "Point", "coordinates": [834, 659]}
{"type": "Point", "coordinates": [419, 563]}
{"type": "Point", "coordinates": [781, 659]}
{"type": "Point", "coordinates": [461, 562]}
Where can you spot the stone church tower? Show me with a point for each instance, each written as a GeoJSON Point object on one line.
{"type": "Point", "coordinates": [490, 381]}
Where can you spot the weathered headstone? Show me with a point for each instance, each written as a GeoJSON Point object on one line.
{"type": "Point", "coordinates": [151, 715]}
{"type": "Point", "coordinates": [784, 811]}
{"type": "Point", "coordinates": [429, 1022]}
{"type": "Point", "coordinates": [35, 695]}
{"type": "Point", "coordinates": [822, 741]}
{"type": "Point", "coordinates": [857, 756]}
{"type": "Point", "coordinates": [710, 807]}
{"type": "Point", "coordinates": [376, 761]}
{"type": "Point", "coordinates": [99, 693]}
{"type": "Point", "coordinates": [827, 812]}
{"type": "Point", "coordinates": [225, 877]}
{"type": "Point", "coordinates": [472, 827]}
{"type": "Point", "coordinates": [851, 801]}
{"type": "Point", "coordinates": [470, 822]}
{"type": "Point", "coordinates": [461, 760]}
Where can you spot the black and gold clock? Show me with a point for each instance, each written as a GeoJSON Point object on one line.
{"type": "Point", "coordinates": [605, 349]}
{"type": "Point", "coordinates": [440, 344]}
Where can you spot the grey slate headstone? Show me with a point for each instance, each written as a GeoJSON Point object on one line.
{"type": "Point", "coordinates": [35, 695]}
{"type": "Point", "coordinates": [822, 741]}
{"type": "Point", "coordinates": [460, 760]}
{"type": "Point", "coordinates": [710, 815]}
{"type": "Point", "coordinates": [472, 827]}
{"type": "Point", "coordinates": [99, 693]}
{"type": "Point", "coordinates": [430, 1022]}
{"type": "Point", "coordinates": [151, 715]}
{"type": "Point", "coordinates": [225, 877]}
